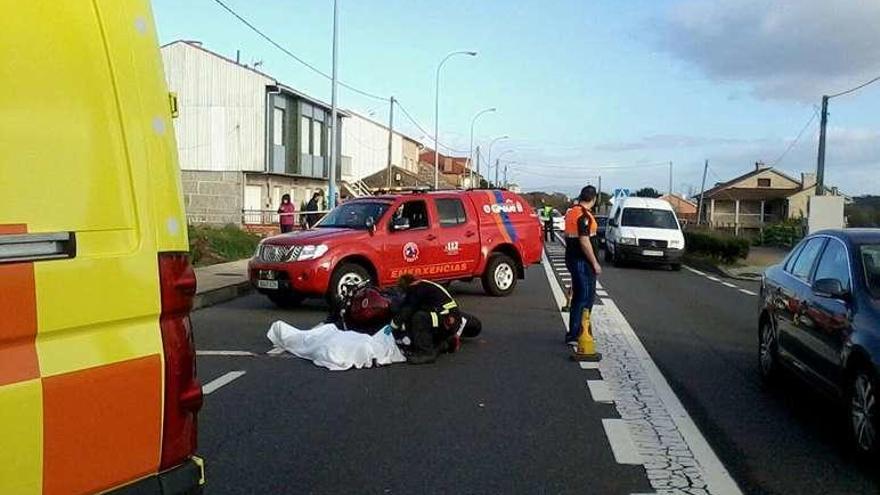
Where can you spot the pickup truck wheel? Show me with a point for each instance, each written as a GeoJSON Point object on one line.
{"type": "Point", "coordinates": [345, 274]}
{"type": "Point", "coordinates": [499, 279]}
{"type": "Point", "coordinates": [285, 299]}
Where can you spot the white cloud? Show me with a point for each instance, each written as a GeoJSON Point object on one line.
{"type": "Point", "coordinates": [789, 49]}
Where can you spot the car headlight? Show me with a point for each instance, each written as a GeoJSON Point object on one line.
{"type": "Point", "coordinates": [257, 251]}
{"type": "Point", "coordinates": [311, 252]}
{"type": "Point", "coordinates": [676, 244]}
{"type": "Point", "coordinates": [630, 241]}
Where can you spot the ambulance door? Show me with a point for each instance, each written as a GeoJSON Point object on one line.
{"type": "Point", "coordinates": [410, 243]}
{"type": "Point", "coordinates": [457, 237]}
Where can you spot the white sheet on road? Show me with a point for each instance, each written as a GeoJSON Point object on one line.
{"type": "Point", "coordinates": [335, 349]}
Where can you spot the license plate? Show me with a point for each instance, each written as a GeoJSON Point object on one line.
{"type": "Point", "coordinates": [267, 284]}
{"type": "Point", "coordinates": [649, 252]}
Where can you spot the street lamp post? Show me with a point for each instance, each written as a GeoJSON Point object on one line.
{"type": "Point", "coordinates": [489, 156]}
{"type": "Point", "coordinates": [471, 148]}
{"type": "Point", "coordinates": [437, 116]}
{"type": "Point", "coordinates": [497, 162]}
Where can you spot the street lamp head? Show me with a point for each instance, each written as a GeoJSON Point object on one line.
{"type": "Point", "coordinates": [472, 54]}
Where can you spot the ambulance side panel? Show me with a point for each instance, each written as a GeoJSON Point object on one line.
{"type": "Point", "coordinates": [84, 143]}
{"type": "Point", "coordinates": [507, 224]}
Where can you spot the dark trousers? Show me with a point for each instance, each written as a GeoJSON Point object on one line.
{"type": "Point", "coordinates": [548, 230]}
{"type": "Point", "coordinates": [583, 291]}
{"type": "Point", "coordinates": [428, 339]}
{"type": "Point", "coordinates": [286, 228]}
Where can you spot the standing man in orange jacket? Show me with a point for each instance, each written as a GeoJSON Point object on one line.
{"type": "Point", "coordinates": [582, 264]}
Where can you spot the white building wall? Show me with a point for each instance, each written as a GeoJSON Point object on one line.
{"type": "Point", "coordinates": [222, 110]}
{"type": "Point", "coordinates": [366, 143]}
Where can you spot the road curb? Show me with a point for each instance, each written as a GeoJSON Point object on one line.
{"type": "Point", "coordinates": [222, 294]}
{"type": "Point", "coordinates": [718, 270]}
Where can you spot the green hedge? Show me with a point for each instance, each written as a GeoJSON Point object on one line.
{"type": "Point", "coordinates": [724, 248]}
{"type": "Point", "coordinates": [785, 234]}
{"type": "Point", "coordinates": [209, 245]}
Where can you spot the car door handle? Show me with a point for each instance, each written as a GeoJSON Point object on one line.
{"type": "Point", "coordinates": [431, 237]}
{"type": "Point", "coordinates": [470, 233]}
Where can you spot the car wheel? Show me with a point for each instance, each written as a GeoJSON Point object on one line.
{"type": "Point", "coordinates": [344, 275]}
{"type": "Point", "coordinates": [499, 279]}
{"type": "Point", "coordinates": [768, 351]}
{"type": "Point", "coordinates": [615, 259]}
{"type": "Point", "coordinates": [285, 300]}
{"type": "Point", "coordinates": [863, 412]}
{"type": "Point", "coordinates": [607, 254]}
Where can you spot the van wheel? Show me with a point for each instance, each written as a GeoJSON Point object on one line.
{"type": "Point", "coordinates": [615, 259]}
{"type": "Point", "coordinates": [607, 254]}
{"type": "Point", "coordinates": [676, 267]}
{"type": "Point", "coordinates": [862, 404]}
{"type": "Point", "coordinates": [499, 279]}
{"type": "Point", "coordinates": [285, 300]}
{"type": "Point", "coordinates": [345, 274]}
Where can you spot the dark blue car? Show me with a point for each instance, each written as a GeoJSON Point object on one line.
{"type": "Point", "coordinates": [820, 317]}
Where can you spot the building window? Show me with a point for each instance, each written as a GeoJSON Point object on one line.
{"type": "Point", "coordinates": [278, 127]}
{"type": "Point", "coordinates": [305, 141]}
{"type": "Point", "coordinates": [763, 182]}
{"type": "Point", "coordinates": [317, 135]}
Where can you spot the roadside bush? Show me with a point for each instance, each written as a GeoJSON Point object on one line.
{"type": "Point", "coordinates": [783, 234]}
{"type": "Point", "coordinates": [723, 248]}
{"type": "Point", "coordinates": [209, 245]}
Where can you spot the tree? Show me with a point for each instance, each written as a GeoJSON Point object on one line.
{"type": "Point", "coordinates": [647, 192]}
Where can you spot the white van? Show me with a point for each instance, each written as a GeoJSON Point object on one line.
{"type": "Point", "coordinates": [644, 230]}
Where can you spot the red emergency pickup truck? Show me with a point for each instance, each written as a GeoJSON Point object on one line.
{"type": "Point", "coordinates": [442, 236]}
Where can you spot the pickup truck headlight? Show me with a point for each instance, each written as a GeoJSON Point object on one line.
{"type": "Point", "coordinates": [311, 252]}
{"type": "Point", "coordinates": [676, 244]}
{"type": "Point", "coordinates": [628, 241]}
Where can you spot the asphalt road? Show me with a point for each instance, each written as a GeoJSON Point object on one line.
{"type": "Point", "coordinates": [508, 414]}
{"type": "Point", "coordinates": [702, 335]}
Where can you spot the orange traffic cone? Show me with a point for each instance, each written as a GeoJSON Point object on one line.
{"type": "Point", "coordinates": [586, 348]}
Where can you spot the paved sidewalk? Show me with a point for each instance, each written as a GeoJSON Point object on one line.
{"type": "Point", "coordinates": [221, 282]}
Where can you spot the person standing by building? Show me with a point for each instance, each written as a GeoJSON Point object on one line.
{"type": "Point", "coordinates": [285, 214]}
{"type": "Point", "coordinates": [312, 206]}
{"type": "Point", "coordinates": [583, 265]}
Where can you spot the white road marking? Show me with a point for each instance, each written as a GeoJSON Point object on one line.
{"type": "Point", "coordinates": [714, 279]}
{"type": "Point", "coordinates": [589, 365]}
{"type": "Point", "coordinates": [598, 285]}
{"type": "Point", "coordinates": [225, 353]}
{"type": "Point", "coordinates": [599, 391]}
{"type": "Point", "coordinates": [275, 351]}
{"type": "Point", "coordinates": [556, 289]}
{"type": "Point", "coordinates": [226, 379]}
{"type": "Point", "coordinates": [728, 284]}
{"type": "Point", "coordinates": [621, 441]}
{"type": "Point", "coordinates": [714, 472]}
{"type": "Point", "coordinates": [746, 291]}
{"type": "Point", "coordinates": [601, 292]}
{"type": "Point", "coordinates": [694, 270]}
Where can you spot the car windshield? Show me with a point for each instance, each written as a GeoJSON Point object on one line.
{"type": "Point", "coordinates": [649, 217]}
{"type": "Point", "coordinates": [353, 215]}
{"type": "Point", "coordinates": [871, 262]}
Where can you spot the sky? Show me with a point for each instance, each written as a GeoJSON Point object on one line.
{"type": "Point", "coordinates": [588, 88]}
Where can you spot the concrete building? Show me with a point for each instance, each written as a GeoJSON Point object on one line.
{"type": "Point", "coordinates": [762, 196]}
{"type": "Point", "coordinates": [244, 138]}
{"type": "Point", "coordinates": [365, 148]}
{"type": "Point", "coordinates": [454, 169]}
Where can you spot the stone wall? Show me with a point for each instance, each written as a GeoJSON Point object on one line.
{"type": "Point", "coordinates": [212, 197]}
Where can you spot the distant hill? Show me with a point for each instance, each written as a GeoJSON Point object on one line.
{"type": "Point", "coordinates": [864, 212]}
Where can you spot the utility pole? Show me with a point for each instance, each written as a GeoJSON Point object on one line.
{"type": "Point", "coordinates": [820, 165]}
{"type": "Point", "coordinates": [702, 191]}
{"type": "Point", "coordinates": [331, 188]}
{"type": "Point", "coordinates": [599, 196]}
{"type": "Point", "coordinates": [479, 177]}
{"type": "Point", "coordinates": [505, 175]}
{"type": "Point", "coordinates": [670, 178]}
{"type": "Point", "coordinates": [496, 171]}
{"type": "Point", "coordinates": [390, 141]}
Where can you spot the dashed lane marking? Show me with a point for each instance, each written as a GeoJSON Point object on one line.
{"type": "Point", "coordinates": [622, 445]}
{"type": "Point", "coordinates": [722, 282]}
{"type": "Point", "coordinates": [223, 380]}
{"type": "Point", "coordinates": [589, 365]}
{"type": "Point", "coordinates": [225, 353]}
{"type": "Point", "coordinates": [728, 284]}
{"type": "Point", "coordinates": [746, 291]}
{"type": "Point", "coordinates": [698, 272]}
{"type": "Point", "coordinates": [714, 279]}
{"type": "Point", "coordinates": [599, 391]}
{"type": "Point", "coordinates": [275, 351]}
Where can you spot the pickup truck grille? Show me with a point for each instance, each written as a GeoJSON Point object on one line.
{"type": "Point", "coordinates": [271, 253]}
{"type": "Point", "coordinates": [652, 243]}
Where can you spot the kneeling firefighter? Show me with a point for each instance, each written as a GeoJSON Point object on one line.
{"type": "Point", "coordinates": [431, 319]}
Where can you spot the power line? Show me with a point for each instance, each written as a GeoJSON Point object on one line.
{"type": "Point", "coordinates": [422, 129]}
{"type": "Point", "coordinates": [860, 86]}
{"type": "Point", "coordinates": [292, 55]}
{"type": "Point", "coordinates": [796, 139]}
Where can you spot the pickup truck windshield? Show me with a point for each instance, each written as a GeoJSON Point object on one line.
{"type": "Point", "coordinates": [353, 215]}
{"type": "Point", "coordinates": [871, 262]}
{"type": "Point", "coordinates": [649, 217]}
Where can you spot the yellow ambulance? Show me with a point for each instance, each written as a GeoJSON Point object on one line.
{"type": "Point", "coordinates": [98, 390]}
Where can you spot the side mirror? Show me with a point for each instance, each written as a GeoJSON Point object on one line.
{"type": "Point", "coordinates": [400, 223]}
{"type": "Point", "coordinates": [371, 225]}
{"type": "Point", "coordinates": [830, 288]}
